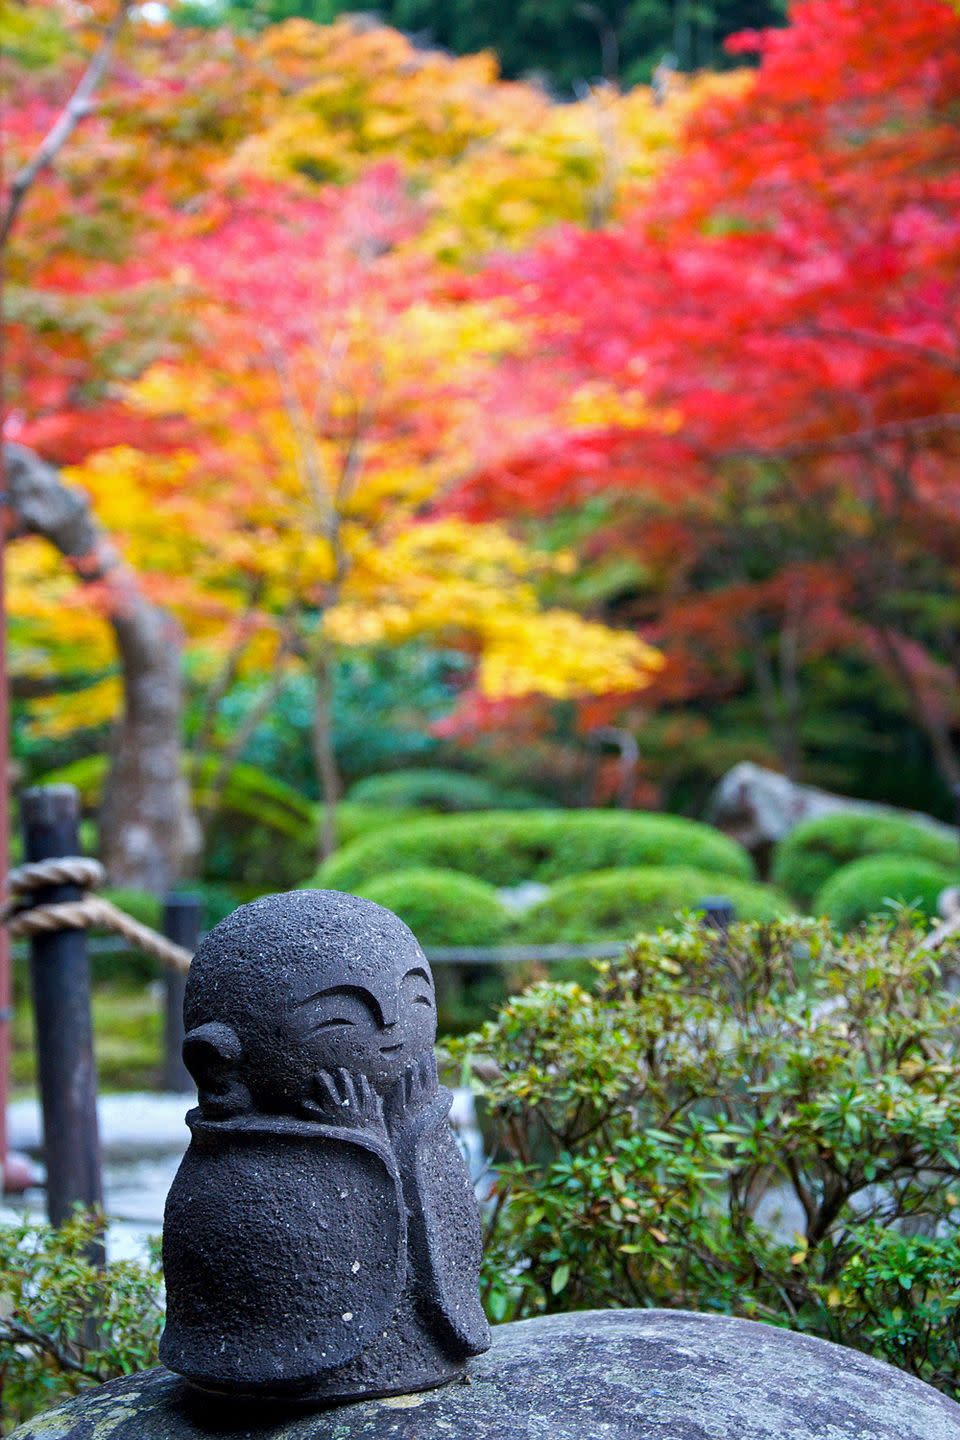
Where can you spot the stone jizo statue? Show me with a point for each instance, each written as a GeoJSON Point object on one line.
{"type": "Point", "coordinates": [321, 1240]}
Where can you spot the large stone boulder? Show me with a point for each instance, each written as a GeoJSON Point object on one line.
{"type": "Point", "coordinates": [613, 1375]}
{"type": "Point", "coordinates": [758, 807]}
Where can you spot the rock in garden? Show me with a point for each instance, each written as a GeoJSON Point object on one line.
{"type": "Point", "coordinates": [614, 1375]}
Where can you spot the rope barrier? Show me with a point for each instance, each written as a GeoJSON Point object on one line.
{"type": "Point", "coordinates": [24, 918]}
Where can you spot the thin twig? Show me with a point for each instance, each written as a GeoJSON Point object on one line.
{"type": "Point", "coordinates": [78, 107]}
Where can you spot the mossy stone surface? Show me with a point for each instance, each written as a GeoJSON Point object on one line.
{"type": "Point", "coordinates": [615, 1375]}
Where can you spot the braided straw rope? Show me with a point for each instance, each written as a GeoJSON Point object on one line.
{"type": "Point", "coordinates": [85, 914]}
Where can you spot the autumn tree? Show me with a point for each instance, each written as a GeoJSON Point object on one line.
{"type": "Point", "coordinates": [568, 43]}
{"type": "Point", "coordinates": [786, 300]}
{"type": "Point", "coordinates": [336, 398]}
{"type": "Point", "coordinates": [119, 241]}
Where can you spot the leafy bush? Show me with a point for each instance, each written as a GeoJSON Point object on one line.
{"type": "Point", "coordinates": [442, 907]}
{"type": "Point", "coordinates": [356, 819]}
{"type": "Point", "coordinates": [805, 859]}
{"type": "Point", "coordinates": [264, 835]}
{"type": "Point", "coordinates": [445, 790]}
{"type": "Point", "coordinates": [258, 859]}
{"type": "Point", "coordinates": [615, 904]}
{"type": "Point", "coordinates": [868, 887]}
{"type": "Point", "coordinates": [647, 1134]}
{"type": "Point", "coordinates": [50, 1291]}
{"type": "Point", "coordinates": [505, 848]}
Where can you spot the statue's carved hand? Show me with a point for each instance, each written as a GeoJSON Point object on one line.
{"type": "Point", "coordinates": [416, 1100]}
{"type": "Point", "coordinates": [346, 1100]}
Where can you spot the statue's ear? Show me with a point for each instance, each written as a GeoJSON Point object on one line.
{"type": "Point", "coordinates": [213, 1054]}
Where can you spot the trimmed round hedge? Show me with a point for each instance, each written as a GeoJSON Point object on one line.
{"type": "Point", "coordinates": [805, 859]}
{"type": "Point", "coordinates": [869, 887]}
{"type": "Point", "coordinates": [616, 904]}
{"type": "Point", "coordinates": [442, 907]}
{"type": "Point", "coordinates": [449, 791]}
{"type": "Point", "coordinates": [506, 848]}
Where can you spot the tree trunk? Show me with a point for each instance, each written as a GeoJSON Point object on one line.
{"type": "Point", "coordinates": [148, 833]}
{"type": "Point", "coordinates": [324, 754]}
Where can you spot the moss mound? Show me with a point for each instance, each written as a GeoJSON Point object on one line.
{"type": "Point", "coordinates": [506, 848]}
{"type": "Point", "coordinates": [442, 907]}
{"type": "Point", "coordinates": [806, 858]}
{"type": "Point", "coordinates": [877, 884]}
{"type": "Point", "coordinates": [616, 904]}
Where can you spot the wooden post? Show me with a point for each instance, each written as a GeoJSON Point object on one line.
{"type": "Point", "coordinates": [60, 977]}
{"type": "Point", "coordinates": [719, 913]}
{"type": "Point", "coordinates": [6, 978]}
{"type": "Point", "coordinates": [181, 923]}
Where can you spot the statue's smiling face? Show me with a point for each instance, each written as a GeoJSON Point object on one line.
{"type": "Point", "coordinates": [375, 1031]}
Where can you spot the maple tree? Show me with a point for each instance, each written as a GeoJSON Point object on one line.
{"type": "Point", "coordinates": [567, 41]}
{"type": "Point", "coordinates": [786, 301]}
{"type": "Point", "coordinates": [298, 519]}
{"type": "Point", "coordinates": [115, 270]}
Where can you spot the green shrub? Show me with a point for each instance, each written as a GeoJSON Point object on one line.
{"type": "Point", "coordinates": [868, 887]}
{"type": "Point", "coordinates": [265, 835]}
{"type": "Point", "coordinates": [356, 819]}
{"type": "Point", "coordinates": [258, 859]}
{"type": "Point", "coordinates": [442, 907]}
{"type": "Point", "coordinates": [505, 848]}
{"type": "Point", "coordinates": [805, 859]}
{"type": "Point", "coordinates": [645, 1135]}
{"type": "Point", "coordinates": [444, 790]}
{"type": "Point", "coordinates": [615, 904]}
{"type": "Point", "coordinates": [49, 1291]}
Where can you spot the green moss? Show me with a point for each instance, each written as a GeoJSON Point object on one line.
{"type": "Point", "coordinates": [805, 860]}
{"type": "Point", "coordinates": [874, 885]}
{"type": "Point", "coordinates": [442, 907]}
{"type": "Point", "coordinates": [444, 790]}
{"type": "Point", "coordinates": [127, 1035]}
{"type": "Point", "coordinates": [617, 904]}
{"type": "Point", "coordinates": [506, 848]}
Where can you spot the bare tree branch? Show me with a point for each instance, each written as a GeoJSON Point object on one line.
{"type": "Point", "coordinates": [873, 340]}
{"type": "Point", "coordinates": [865, 439]}
{"type": "Point", "coordinates": [77, 108]}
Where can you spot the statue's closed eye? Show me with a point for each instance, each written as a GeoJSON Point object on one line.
{"type": "Point", "coordinates": [422, 1000]}
{"type": "Point", "coordinates": [334, 1020]}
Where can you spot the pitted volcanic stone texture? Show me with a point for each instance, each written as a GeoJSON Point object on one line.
{"type": "Point", "coordinates": [321, 1239]}
{"type": "Point", "coordinates": [615, 1375]}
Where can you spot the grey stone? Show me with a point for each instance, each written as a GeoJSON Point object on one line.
{"type": "Point", "coordinates": [321, 1239]}
{"type": "Point", "coordinates": [758, 807]}
{"type": "Point", "coordinates": [613, 1375]}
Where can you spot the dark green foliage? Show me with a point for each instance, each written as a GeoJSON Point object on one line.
{"type": "Point", "coordinates": [249, 794]}
{"type": "Point", "coordinates": [49, 1293]}
{"type": "Point", "coordinates": [504, 848]}
{"type": "Point", "coordinates": [257, 858]}
{"type": "Point", "coordinates": [563, 40]}
{"type": "Point", "coordinates": [869, 887]}
{"type": "Point", "coordinates": [616, 904]}
{"type": "Point", "coordinates": [264, 835]}
{"type": "Point", "coordinates": [444, 790]}
{"type": "Point", "coordinates": [442, 907]}
{"type": "Point", "coordinates": [384, 707]}
{"type": "Point", "coordinates": [647, 1134]}
{"type": "Point", "coordinates": [806, 858]}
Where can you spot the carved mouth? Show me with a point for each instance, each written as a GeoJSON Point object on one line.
{"type": "Point", "coordinates": [391, 1049]}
